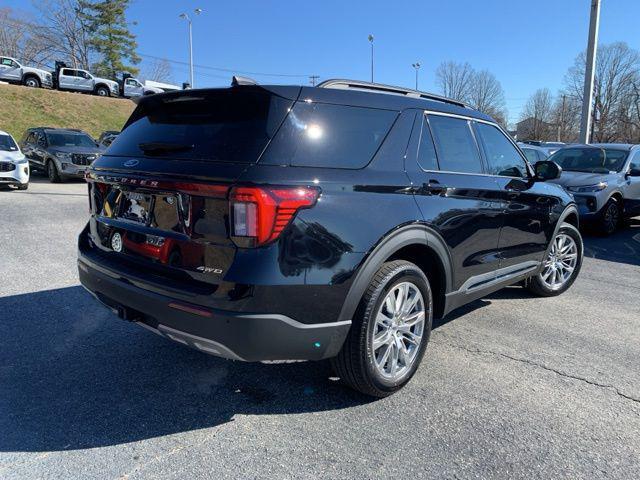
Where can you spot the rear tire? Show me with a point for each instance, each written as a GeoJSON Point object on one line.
{"type": "Point", "coordinates": [389, 334]}
{"type": "Point", "coordinates": [543, 284]}
{"type": "Point", "coordinates": [610, 217]}
{"type": "Point", "coordinates": [52, 172]}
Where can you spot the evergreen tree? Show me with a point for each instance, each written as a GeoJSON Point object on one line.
{"type": "Point", "coordinates": [109, 36]}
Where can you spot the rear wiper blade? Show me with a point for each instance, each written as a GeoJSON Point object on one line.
{"type": "Point", "coordinates": [163, 147]}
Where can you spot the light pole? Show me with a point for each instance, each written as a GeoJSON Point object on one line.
{"type": "Point", "coordinates": [371, 42]}
{"type": "Point", "coordinates": [589, 73]}
{"type": "Point", "coordinates": [417, 67]}
{"type": "Point", "coordinates": [197, 11]}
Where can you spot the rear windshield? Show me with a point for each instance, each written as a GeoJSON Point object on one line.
{"type": "Point", "coordinates": [231, 125]}
{"type": "Point", "coordinates": [7, 144]}
{"type": "Point", "coordinates": [334, 136]}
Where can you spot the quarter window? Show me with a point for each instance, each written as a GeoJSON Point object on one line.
{"type": "Point", "coordinates": [427, 151]}
{"type": "Point", "coordinates": [502, 157]}
{"type": "Point", "coordinates": [457, 149]}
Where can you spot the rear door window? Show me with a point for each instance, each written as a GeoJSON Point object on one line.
{"type": "Point", "coordinates": [230, 125]}
{"type": "Point", "coordinates": [502, 156]}
{"type": "Point", "coordinates": [333, 136]}
{"type": "Point", "coordinates": [456, 147]}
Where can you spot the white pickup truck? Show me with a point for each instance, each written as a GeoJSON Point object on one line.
{"type": "Point", "coordinates": [132, 87]}
{"type": "Point", "coordinates": [78, 80]}
{"type": "Point", "coordinates": [12, 71]}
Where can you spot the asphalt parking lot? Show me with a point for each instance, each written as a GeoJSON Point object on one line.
{"type": "Point", "coordinates": [511, 387]}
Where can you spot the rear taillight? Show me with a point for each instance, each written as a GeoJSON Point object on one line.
{"type": "Point", "coordinates": [262, 213]}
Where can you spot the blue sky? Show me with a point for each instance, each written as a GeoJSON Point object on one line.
{"type": "Point", "coordinates": [526, 44]}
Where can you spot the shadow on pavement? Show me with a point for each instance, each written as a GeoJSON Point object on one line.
{"type": "Point", "coordinates": [73, 376]}
{"type": "Point", "coordinates": [622, 247]}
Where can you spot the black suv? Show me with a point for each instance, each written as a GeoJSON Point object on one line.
{"type": "Point", "coordinates": [61, 153]}
{"type": "Point", "coordinates": [278, 223]}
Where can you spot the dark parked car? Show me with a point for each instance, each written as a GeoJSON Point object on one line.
{"type": "Point", "coordinates": [107, 137]}
{"type": "Point", "coordinates": [61, 153]}
{"type": "Point", "coordinates": [279, 222]}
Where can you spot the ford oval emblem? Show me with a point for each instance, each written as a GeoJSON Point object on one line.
{"type": "Point", "coordinates": [131, 163]}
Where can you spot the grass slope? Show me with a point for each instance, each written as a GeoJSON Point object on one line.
{"type": "Point", "coordinates": [23, 107]}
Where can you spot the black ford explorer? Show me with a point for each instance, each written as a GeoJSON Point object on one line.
{"type": "Point", "coordinates": [277, 222]}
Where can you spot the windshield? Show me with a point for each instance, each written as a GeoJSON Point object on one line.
{"type": "Point", "coordinates": [590, 159]}
{"type": "Point", "coordinates": [7, 144]}
{"type": "Point", "coordinates": [69, 139]}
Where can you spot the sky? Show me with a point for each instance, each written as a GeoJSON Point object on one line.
{"type": "Point", "coordinates": [526, 44]}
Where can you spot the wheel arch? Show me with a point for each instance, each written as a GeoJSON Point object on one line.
{"type": "Point", "coordinates": [416, 243]}
{"type": "Point", "coordinates": [29, 75]}
{"type": "Point", "coordinates": [101, 85]}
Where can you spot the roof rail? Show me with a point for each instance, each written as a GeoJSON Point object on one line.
{"type": "Point", "coordinates": [389, 89]}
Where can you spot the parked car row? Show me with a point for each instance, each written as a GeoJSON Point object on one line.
{"type": "Point", "coordinates": [73, 79]}
{"type": "Point", "coordinates": [60, 153]}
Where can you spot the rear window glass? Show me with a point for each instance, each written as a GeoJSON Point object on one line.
{"type": "Point", "coordinates": [231, 125]}
{"type": "Point", "coordinates": [457, 149]}
{"type": "Point", "coordinates": [333, 136]}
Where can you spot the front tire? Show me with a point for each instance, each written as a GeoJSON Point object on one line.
{"type": "Point", "coordinates": [561, 265]}
{"type": "Point", "coordinates": [389, 333]}
{"type": "Point", "coordinates": [610, 218]}
{"type": "Point", "coordinates": [32, 82]}
{"type": "Point", "coordinates": [52, 172]}
{"type": "Point", "coordinates": [102, 92]}
{"type": "Point", "coordinates": [23, 186]}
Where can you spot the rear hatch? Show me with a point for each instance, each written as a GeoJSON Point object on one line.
{"type": "Point", "coordinates": [159, 194]}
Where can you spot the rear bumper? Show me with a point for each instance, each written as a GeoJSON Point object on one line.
{"type": "Point", "coordinates": [238, 336]}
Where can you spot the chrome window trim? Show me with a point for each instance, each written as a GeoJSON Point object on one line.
{"type": "Point", "coordinates": [494, 124]}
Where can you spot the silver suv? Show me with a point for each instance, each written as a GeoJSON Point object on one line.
{"type": "Point", "coordinates": [604, 179]}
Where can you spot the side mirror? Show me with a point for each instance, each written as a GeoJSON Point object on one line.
{"type": "Point", "coordinates": [634, 172]}
{"type": "Point", "coordinates": [547, 170]}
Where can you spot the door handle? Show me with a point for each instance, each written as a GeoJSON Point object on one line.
{"type": "Point", "coordinates": [433, 187]}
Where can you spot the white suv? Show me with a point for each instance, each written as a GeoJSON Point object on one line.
{"type": "Point", "coordinates": [14, 167]}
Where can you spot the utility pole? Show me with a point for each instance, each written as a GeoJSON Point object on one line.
{"type": "Point", "coordinates": [313, 79]}
{"type": "Point", "coordinates": [589, 74]}
{"type": "Point", "coordinates": [561, 124]}
{"type": "Point", "coordinates": [197, 11]}
{"type": "Point", "coordinates": [417, 67]}
{"type": "Point", "coordinates": [371, 42]}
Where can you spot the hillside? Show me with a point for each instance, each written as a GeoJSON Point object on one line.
{"type": "Point", "coordinates": [33, 107]}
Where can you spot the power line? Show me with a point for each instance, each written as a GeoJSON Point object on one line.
{"type": "Point", "coordinates": [229, 70]}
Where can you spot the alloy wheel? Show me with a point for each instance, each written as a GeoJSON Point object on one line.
{"type": "Point", "coordinates": [560, 263]}
{"type": "Point", "coordinates": [611, 217]}
{"type": "Point", "coordinates": [398, 330]}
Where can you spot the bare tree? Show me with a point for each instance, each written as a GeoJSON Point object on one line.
{"type": "Point", "coordinates": [66, 28]}
{"type": "Point", "coordinates": [486, 94]}
{"type": "Point", "coordinates": [22, 38]}
{"type": "Point", "coordinates": [455, 79]}
{"type": "Point", "coordinates": [617, 68]}
{"type": "Point", "coordinates": [158, 71]}
{"type": "Point", "coordinates": [565, 117]}
{"type": "Point", "coordinates": [536, 117]}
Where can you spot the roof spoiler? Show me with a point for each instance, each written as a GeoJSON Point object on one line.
{"type": "Point", "coordinates": [237, 80]}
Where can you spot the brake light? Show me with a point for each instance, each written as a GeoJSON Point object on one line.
{"type": "Point", "coordinates": [263, 213]}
